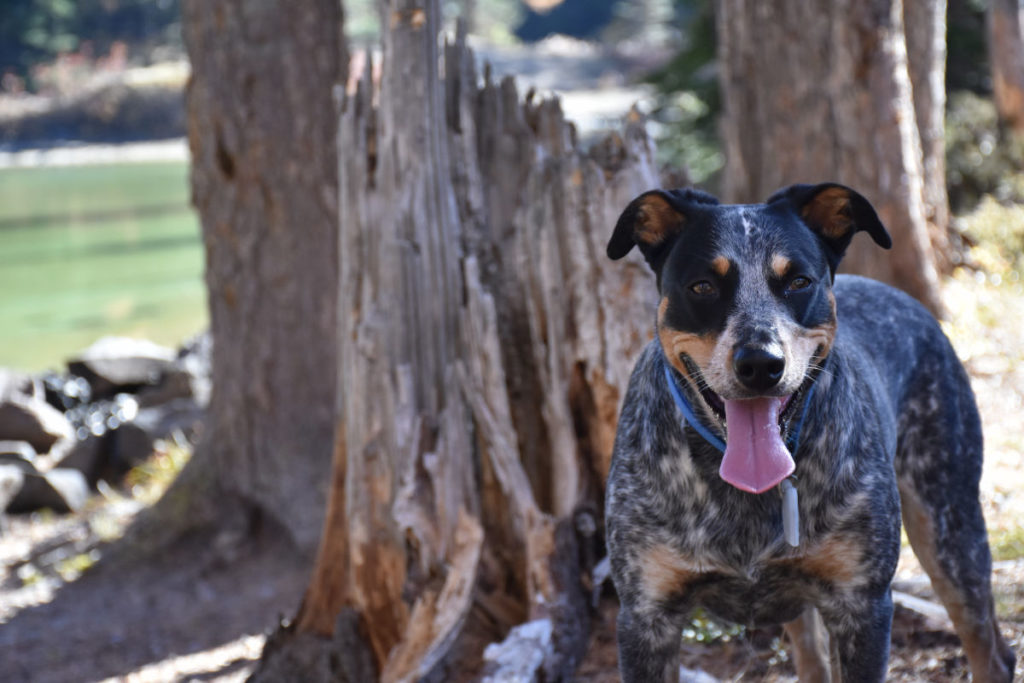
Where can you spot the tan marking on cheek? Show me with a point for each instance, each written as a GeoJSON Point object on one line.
{"type": "Point", "coordinates": [676, 342]}
{"type": "Point", "coordinates": [720, 265]}
{"type": "Point", "coordinates": [824, 335]}
{"type": "Point", "coordinates": [664, 572]}
{"type": "Point", "coordinates": [814, 344]}
{"type": "Point", "coordinates": [837, 560]}
{"type": "Point", "coordinates": [780, 265]}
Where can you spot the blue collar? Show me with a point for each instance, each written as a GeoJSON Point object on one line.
{"type": "Point", "coordinates": [690, 417]}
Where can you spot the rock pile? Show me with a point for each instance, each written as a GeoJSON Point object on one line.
{"type": "Point", "coordinates": [61, 433]}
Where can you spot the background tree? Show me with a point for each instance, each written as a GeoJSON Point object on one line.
{"type": "Point", "coordinates": [262, 124]}
{"type": "Point", "coordinates": [839, 104]}
{"type": "Point", "coordinates": [1006, 54]}
{"type": "Point", "coordinates": [34, 31]}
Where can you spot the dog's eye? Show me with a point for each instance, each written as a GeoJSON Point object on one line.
{"type": "Point", "coordinates": [798, 283]}
{"type": "Point", "coordinates": [703, 288]}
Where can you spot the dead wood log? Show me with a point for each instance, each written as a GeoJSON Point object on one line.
{"type": "Point", "coordinates": [484, 345]}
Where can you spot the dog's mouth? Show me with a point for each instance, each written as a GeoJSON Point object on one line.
{"type": "Point", "coordinates": [756, 456]}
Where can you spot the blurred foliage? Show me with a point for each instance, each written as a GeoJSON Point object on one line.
{"type": "Point", "coordinates": [1008, 544]}
{"type": "Point", "coordinates": [703, 628]}
{"type": "Point", "coordinates": [687, 101]}
{"type": "Point", "coordinates": [998, 233]}
{"type": "Point", "coordinates": [981, 159]}
{"type": "Point", "coordinates": [148, 481]}
{"type": "Point", "coordinates": [35, 31]}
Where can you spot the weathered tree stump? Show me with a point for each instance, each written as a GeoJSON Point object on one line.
{"type": "Point", "coordinates": [485, 341]}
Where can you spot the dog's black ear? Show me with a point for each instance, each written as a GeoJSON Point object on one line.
{"type": "Point", "coordinates": [652, 220]}
{"type": "Point", "coordinates": [835, 213]}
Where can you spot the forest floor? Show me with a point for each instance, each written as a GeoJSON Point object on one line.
{"type": "Point", "coordinates": [202, 612]}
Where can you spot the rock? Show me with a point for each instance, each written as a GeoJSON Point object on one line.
{"type": "Point", "coordinates": [16, 451]}
{"type": "Point", "coordinates": [189, 378]}
{"type": "Point", "coordinates": [196, 358]}
{"type": "Point", "coordinates": [14, 384]}
{"type": "Point", "coordinates": [100, 417]}
{"type": "Point", "coordinates": [34, 421]}
{"type": "Point", "coordinates": [61, 490]}
{"type": "Point", "coordinates": [11, 479]}
{"type": "Point", "coordinates": [114, 436]}
{"type": "Point", "coordinates": [521, 656]}
{"type": "Point", "coordinates": [180, 418]}
{"type": "Point", "coordinates": [66, 392]}
{"type": "Point", "coordinates": [88, 456]}
{"type": "Point", "coordinates": [130, 444]}
{"type": "Point", "coordinates": [116, 364]}
{"type": "Point", "coordinates": [174, 384]}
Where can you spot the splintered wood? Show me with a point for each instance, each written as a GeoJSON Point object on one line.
{"type": "Point", "coordinates": [485, 343]}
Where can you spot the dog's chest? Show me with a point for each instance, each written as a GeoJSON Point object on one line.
{"type": "Point", "coordinates": [748, 580]}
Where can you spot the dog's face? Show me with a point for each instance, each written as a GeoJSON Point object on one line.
{"type": "Point", "coordinates": [746, 311]}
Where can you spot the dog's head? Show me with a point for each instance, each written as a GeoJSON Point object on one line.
{"type": "Point", "coordinates": [747, 313]}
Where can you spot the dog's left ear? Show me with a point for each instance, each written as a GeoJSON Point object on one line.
{"type": "Point", "coordinates": [652, 221]}
{"type": "Point", "coordinates": [835, 213]}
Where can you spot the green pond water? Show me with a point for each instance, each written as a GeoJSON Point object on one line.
{"type": "Point", "coordinates": [88, 251]}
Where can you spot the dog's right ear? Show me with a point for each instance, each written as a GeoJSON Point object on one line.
{"type": "Point", "coordinates": [652, 220]}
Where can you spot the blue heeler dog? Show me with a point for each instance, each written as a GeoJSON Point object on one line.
{"type": "Point", "coordinates": [774, 431]}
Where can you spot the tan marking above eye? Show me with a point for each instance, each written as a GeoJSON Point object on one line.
{"type": "Point", "coordinates": [720, 265]}
{"type": "Point", "coordinates": [780, 265]}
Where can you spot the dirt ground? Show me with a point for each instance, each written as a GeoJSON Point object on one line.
{"type": "Point", "coordinates": [201, 614]}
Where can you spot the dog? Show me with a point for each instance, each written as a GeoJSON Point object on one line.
{"type": "Point", "coordinates": [774, 431]}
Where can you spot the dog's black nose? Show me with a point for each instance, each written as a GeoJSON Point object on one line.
{"type": "Point", "coordinates": [757, 368]}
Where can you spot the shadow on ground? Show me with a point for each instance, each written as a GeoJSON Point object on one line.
{"type": "Point", "coordinates": [123, 615]}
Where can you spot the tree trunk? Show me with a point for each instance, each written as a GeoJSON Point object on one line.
{"type": "Point", "coordinates": [834, 104]}
{"type": "Point", "coordinates": [925, 23]}
{"type": "Point", "coordinates": [262, 126]}
{"type": "Point", "coordinates": [1006, 52]}
{"type": "Point", "coordinates": [485, 342]}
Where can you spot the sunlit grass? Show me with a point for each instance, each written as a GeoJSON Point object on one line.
{"type": "Point", "coordinates": [148, 481]}
{"type": "Point", "coordinates": [96, 250]}
{"type": "Point", "coordinates": [1007, 544]}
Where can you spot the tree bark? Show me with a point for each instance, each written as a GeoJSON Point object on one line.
{"type": "Point", "coordinates": [262, 124]}
{"type": "Point", "coordinates": [484, 344]}
{"type": "Point", "coordinates": [816, 90]}
{"type": "Point", "coordinates": [1006, 53]}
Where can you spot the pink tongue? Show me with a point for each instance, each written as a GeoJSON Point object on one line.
{"type": "Point", "coordinates": [756, 459]}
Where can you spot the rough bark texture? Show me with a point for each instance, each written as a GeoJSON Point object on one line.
{"type": "Point", "coordinates": [485, 342]}
{"type": "Point", "coordinates": [262, 125]}
{"type": "Point", "coordinates": [817, 90]}
{"type": "Point", "coordinates": [1006, 52]}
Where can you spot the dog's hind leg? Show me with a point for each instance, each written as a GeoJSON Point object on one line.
{"type": "Point", "coordinates": [952, 547]}
{"type": "Point", "coordinates": [810, 647]}
{"type": "Point", "coordinates": [649, 645]}
{"type": "Point", "coordinates": [938, 470]}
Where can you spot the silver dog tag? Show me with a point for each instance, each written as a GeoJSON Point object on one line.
{"type": "Point", "coordinates": [790, 513]}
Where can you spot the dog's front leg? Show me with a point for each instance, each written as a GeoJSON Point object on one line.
{"type": "Point", "coordinates": [860, 627]}
{"type": "Point", "coordinates": [649, 645]}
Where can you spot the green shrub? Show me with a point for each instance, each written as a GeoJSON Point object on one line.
{"type": "Point", "coordinates": [981, 159]}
